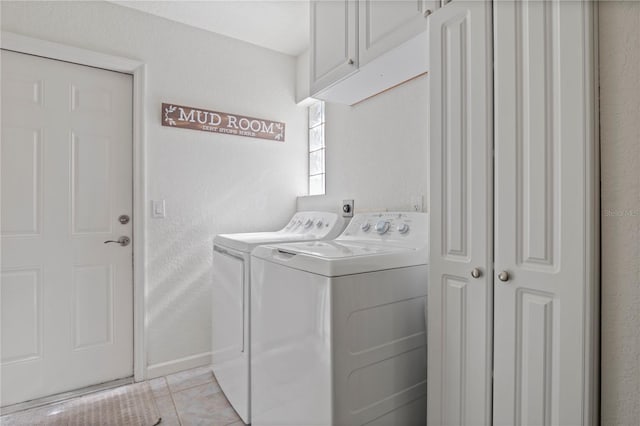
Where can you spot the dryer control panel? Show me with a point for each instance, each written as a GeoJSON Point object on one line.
{"type": "Point", "coordinates": [314, 224]}
{"type": "Point", "coordinates": [401, 227]}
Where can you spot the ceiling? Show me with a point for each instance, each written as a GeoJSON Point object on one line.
{"type": "Point", "coordinates": [279, 25]}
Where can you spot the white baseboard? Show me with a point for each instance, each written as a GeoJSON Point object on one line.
{"type": "Point", "coordinates": [174, 366]}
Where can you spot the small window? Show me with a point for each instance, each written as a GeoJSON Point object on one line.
{"type": "Point", "coordinates": [316, 149]}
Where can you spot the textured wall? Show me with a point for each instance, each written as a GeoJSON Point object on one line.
{"type": "Point", "coordinates": [211, 183]}
{"type": "Point", "coordinates": [620, 145]}
{"type": "Point", "coordinates": [377, 151]}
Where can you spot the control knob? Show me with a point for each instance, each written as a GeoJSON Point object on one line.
{"type": "Point", "coordinates": [382, 226]}
{"type": "Point", "coordinates": [365, 226]}
{"type": "Point", "coordinates": [308, 224]}
{"type": "Point", "coordinates": [319, 224]}
{"type": "Point", "coordinates": [403, 228]}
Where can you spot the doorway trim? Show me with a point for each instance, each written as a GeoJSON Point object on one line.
{"type": "Point", "coordinates": [47, 49]}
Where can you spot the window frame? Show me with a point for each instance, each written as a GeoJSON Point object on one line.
{"type": "Point", "coordinates": [323, 148]}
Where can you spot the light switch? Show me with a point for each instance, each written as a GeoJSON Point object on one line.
{"type": "Point", "coordinates": [157, 209]}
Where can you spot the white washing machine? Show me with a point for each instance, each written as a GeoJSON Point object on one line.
{"type": "Point", "coordinates": [231, 297]}
{"type": "Point", "coordinates": [338, 327]}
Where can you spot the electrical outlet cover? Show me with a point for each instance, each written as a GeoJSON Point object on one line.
{"type": "Point", "coordinates": [347, 208]}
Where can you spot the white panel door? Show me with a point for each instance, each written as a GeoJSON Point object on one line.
{"type": "Point", "coordinates": [67, 311]}
{"type": "Point", "coordinates": [334, 35]}
{"type": "Point", "coordinates": [545, 214]}
{"type": "Point", "coordinates": [460, 197]}
{"type": "Point", "coordinates": [385, 24]}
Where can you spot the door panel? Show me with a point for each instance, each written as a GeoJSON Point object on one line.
{"type": "Point", "coordinates": [90, 192]}
{"type": "Point", "coordinates": [388, 23]}
{"type": "Point", "coordinates": [93, 305]}
{"type": "Point", "coordinates": [334, 52]}
{"type": "Point", "coordinates": [545, 187]}
{"type": "Point", "coordinates": [21, 304]}
{"type": "Point", "coordinates": [67, 298]}
{"type": "Point", "coordinates": [534, 353]}
{"type": "Point", "coordinates": [453, 353]}
{"type": "Point", "coordinates": [460, 306]}
{"type": "Point", "coordinates": [22, 160]}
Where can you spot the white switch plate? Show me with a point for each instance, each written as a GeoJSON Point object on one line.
{"type": "Point", "coordinates": [158, 209]}
{"type": "Point", "coordinates": [417, 203]}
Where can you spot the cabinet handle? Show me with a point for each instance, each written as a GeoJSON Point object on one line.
{"type": "Point", "coordinates": [427, 12]}
{"type": "Point", "coordinates": [476, 272]}
{"type": "Point", "coordinates": [350, 62]}
{"type": "Point", "coordinates": [503, 276]}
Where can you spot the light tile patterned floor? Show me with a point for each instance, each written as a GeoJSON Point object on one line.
{"type": "Point", "coordinates": [188, 398]}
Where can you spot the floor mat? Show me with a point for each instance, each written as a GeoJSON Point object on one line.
{"type": "Point", "coordinates": [131, 405]}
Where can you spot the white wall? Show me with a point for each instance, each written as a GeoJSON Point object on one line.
{"type": "Point", "coordinates": [377, 151]}
{"type": "Point", "coordinates": [620, 146]}
{"type": "Point", "coordinates": [211, 183]}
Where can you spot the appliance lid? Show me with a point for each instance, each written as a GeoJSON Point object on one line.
{"type": "Point", "coordinates": [303, 226]}
{"type": "Point", "coordinates": [247, 241]}
{"type": "Point", "coordinates": [334, 259]}
{"type": "Point", "coordinates": [371, 242]}
{"type": "Point", "coordinates": [339, 249]}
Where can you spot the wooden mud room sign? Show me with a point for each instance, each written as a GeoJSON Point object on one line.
{"type": "Point", "coordinates": [221, 122]}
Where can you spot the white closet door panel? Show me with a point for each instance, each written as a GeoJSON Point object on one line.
{"type": "Point", "coordinates": [460, 306]}
{"type": "Point", "coordinates": [545, 156]}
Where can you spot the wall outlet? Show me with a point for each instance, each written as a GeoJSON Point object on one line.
{"type": "Point", "coordinates": [417, 203]}
{"type": "Point", "coordinates": [347, 208]}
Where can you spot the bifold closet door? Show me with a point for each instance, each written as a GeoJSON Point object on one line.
{"type": "Point", "coordinates": [460, 295]}
{"type": "Point", "coordinates": [546, 226]}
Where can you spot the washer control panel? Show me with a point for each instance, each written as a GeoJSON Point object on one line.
{"type": "Point", "coordinates": [387, 226]}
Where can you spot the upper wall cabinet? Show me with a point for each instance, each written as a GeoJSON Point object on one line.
{"type": "Point", "coordinates": [361, 48]}
{"type": "Point", "coordinates": [387, 24]}
{"type": "Point", "coordinates": [334, 49]}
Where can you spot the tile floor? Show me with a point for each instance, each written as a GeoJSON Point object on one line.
{"type": "Point", "coordinates": [188, 398]}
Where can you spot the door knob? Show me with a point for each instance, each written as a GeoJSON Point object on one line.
{"type": "Point", "coordinates": [476, 272]}
{"type": "Point", "coordinates": [350, 62]}
{"type": "Point", "coordinates": [123, 241]}
{"type": "Point", "coordinates": [503, 276]}
{"type": "Point", "coordinates": [427, 13]}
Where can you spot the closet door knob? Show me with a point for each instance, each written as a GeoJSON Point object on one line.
{"type": "Point", "coordinates": [503, 276]}
{"type": "Point", "coordinates": [476, 272]}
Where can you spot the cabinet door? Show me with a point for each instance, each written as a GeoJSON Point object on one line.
{"type": "Point", "coordinates": [385, 24]}
{"type": "Point", "coordinates": [334, 52]}
{"type": "Point", "coordinates": [460, 197]}
{"type": "Point", "coordinates": [545, 214]}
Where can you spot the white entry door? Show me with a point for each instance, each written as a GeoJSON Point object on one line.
{"type": "Point", "coordinates": [460, 296]}
{"type": "Point", "coordinates": [67, 297]}
{"type": "Point", "coordinates": [546, 263]}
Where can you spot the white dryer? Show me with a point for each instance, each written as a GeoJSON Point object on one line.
{"type": "Point", "coordinates": [338, 327]}
{"type": "Point", "coordinates": [231, 284]}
